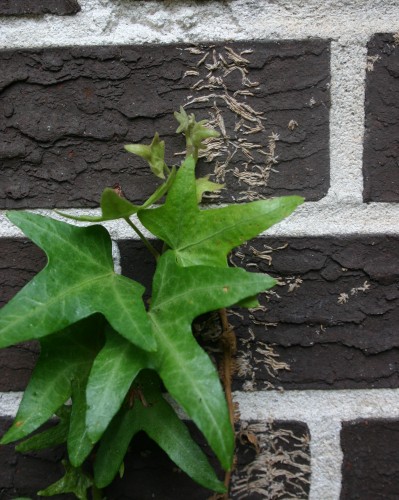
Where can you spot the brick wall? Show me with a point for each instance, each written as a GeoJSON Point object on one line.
{"type": "Point", "coordinates": [310, 107]}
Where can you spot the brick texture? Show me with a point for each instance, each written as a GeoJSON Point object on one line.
{"type": "Point", "coordinates": [20, 261]}
{"type": "Point", "coordinates": [66, 113]}
{"type": "Point", "coordinates": [38, 7]}
{"type": "Point", "coordinates": [380, 167]}
{"type": "Point", "coordinates": [25, 474]}
{"type": "Point", "coordinates": [149, 473]}
{"type": "Point", "coordinates": [370, 467]}
{"type": "Point", "coordinates": [334, 295]}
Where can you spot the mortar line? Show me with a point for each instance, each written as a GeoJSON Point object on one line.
{"type": "Point", "coordinates": [101, 22]}
{"type": "Point", "coordinates": [348, 69]}
{"type": "Point", "coordinates": [311, 219]}
{"type": "Point", "coordinates": [325, 459]}
{"type": "Point", "coordinates": [322, 411]}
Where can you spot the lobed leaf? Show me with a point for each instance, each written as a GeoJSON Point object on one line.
{"type": "Point", "coordinates": [74, 481]}
{"type": "Point", "coordinates": [78, 444]}
{"type": "Point", "coordinates": [78, 281]}
{"type": "Point", "coordinates": [205, 237]}
{"type": "Point", "coordinates": [49, 438]}
{"type": "Point", "coordinates": [113, 372]}
{"type": "Point", "coordinates": [152, 414]}
{"type": "Point", "coordinates": [65, 357]}
{"type": "Point", "coordinates": [184, 367]}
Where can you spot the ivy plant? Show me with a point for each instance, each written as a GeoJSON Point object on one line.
{"type": "Point", "coordinates": [107, 357]}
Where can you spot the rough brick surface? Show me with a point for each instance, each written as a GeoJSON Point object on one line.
{"type": "Point", "coordinates": [335, 295]}
{"type": "Point", "coordinates": [20, 261]}
{"type": "Point", "coordinates": [25, 474]}
{"type": "Point", "coordinates": [37, 7]}
{"type": "Point", "coordinates": [380, 166]}
{"type": "Point", "coordinates": [149, 473]}
{"type": "Point", "coordinates": [66, 113]}
{"type": "Point", "coordinates": [370, 468]}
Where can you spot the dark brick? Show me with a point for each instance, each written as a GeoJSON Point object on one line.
{"type": "Point", "coordinates": [137, 263]}
{"type": "Point", "coordinates": [38, 7]}
{"type": "Point", "coordinates": [370, 469]}
{"type": "Point", "coordinates": [381, 150]}
{"type": "Point", "coordinates": [25, 474]}
{"type": "Point", "coordinates": [66, 113]}
{"type": "Point", "coordinates": [20, 261]}
{"type": "Point", "coordinates": [256, 440]}
{"type": "Point", "coordinates": [16, 365]}
{"type": "Point", "coordinates": [273, 461]}
{"type": "Point", "coordinates": [324, 343]}
{"type": "Point", "coordinates": [149, 473]}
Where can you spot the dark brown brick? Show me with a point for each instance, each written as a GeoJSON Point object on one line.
{"type": "Point", "coordinates": [66, 113]}
{"type": "Point", "coordinates": [370, 469]}
{"type": "Point", "coordinates": [273, 461]}
{"type": "Point", "coordinates": [38, 7]}
{"type": "Point", "coordinates": [25, 474]}
{"type": "Point", "coordinates": [149, 473]}
{"type": "Point", "coordinates": [380, 166]}
{"type": "Point", "coordinates": [16, 365]}
{"type": "Point", "coordinates": [137, 263]}
{"type": "Point", "coordinates": [327, 340]}
{"type": "Point", "coordinates": [20, 261]}
{"type": "Point", "coordinates": [332, 324]}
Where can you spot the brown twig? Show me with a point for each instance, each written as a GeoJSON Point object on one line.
{"type": "Point", "coordinates": [228, 344]}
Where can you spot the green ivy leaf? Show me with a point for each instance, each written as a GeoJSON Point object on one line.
{"type": "Point", "coordinates": [65, 357]}
{"type": "Point", "coordinates": [184, 367]}
{"type": "Point", "coordinates": [154, 154]}
{"type": "Point", "coordinates": [114, 207]}
{"type": "Point", "coordinates": [113, 372]}
{"type": "Point", "coordinates": [204, 185]}
{"type": "Point", "coordinates": [152, 414]}
{"type": "Point", "coordinates": [205, 237]}
{"type": "Point", "coordinates": [78, 281]}
{"type": "Point", "coordinates": [75, 481]}
{"type": "Point", "coordinates": [79, 445]}
{"type": "Point", "coordinates": [49, 438]}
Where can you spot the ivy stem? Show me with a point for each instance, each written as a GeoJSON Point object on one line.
{"type": "Point", "coordinates": [143, 238]}
{"type": "Point", "coordinates": [228, 343]}
{"type": "Point", "coordinates": [191, 150]}
{"type": "Point", "coordinates": [96, 493]}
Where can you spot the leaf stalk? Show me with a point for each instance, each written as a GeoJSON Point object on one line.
{"type": "Point", "coordinates": [146, 242]}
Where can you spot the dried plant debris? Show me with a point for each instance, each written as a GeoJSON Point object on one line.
{"type": "Point", "coordinates": [371, 60]}
{"type": "Point", "coordinates": [343, 297]}
{"type": "Point", "coordinates": [253, 354]}
{"type": "Point", "coordinates": [221, 79]}
{"type": "Point", "coordinates": [273, 461]}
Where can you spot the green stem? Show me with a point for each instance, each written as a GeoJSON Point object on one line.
{"type": "Point", "coordinates": [166, 169]}
{"type": "Point", "coordinates": [143, 238]}
{"type": "Point", "coordinates": [191, 150]}
{"type": "Point", "coordinates": [96, 493]}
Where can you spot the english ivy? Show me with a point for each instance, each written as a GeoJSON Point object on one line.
{"type": "Point", "coordinates": [105, 355]}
